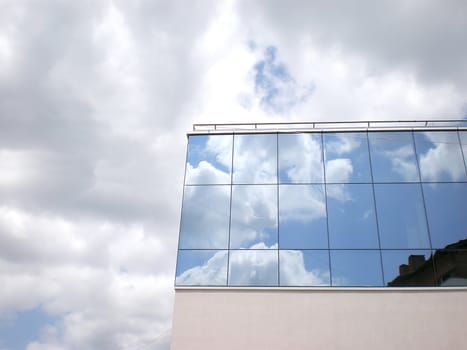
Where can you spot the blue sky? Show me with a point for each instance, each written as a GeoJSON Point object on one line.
{"type": "Point", "coordinates": [95, 100]}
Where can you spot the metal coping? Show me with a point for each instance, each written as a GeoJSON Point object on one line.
{"type": "Point", "coordinates": [324, 126]}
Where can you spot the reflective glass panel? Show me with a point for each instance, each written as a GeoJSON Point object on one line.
{"type": "Point", "coordinates": [254, 217]}
{"type": "Point", "coordinates": [446, 206]}
{"type": "Point", "coordinates": [408, 268]}
{"type": "Point", "coordinates": [304, 268]}
{"type": "Point", "coordinates": [209, 159]}
{"type": "Point", "coordinates": [450, 265]}
{"type": "Point", "coordinates": [255, 159]}
{"type": "Point", "coordinates": [300, 158]}
{"type": "Point", "coordinates": [463, 139]}
{"type": "Point", "coordinates": [253, 268]}
{"type": "Point", "coordinates": [201, 267]}
{"type": "Point", "coordinates": [302, 217]}
{"type": "Point", "coordinates": [401, 216]}
{"type": "Point", "coordinates": [356, 268]}
{"type": "Point", "coordinates": [393, 157]}
{"type": "Point", "coordinates": [205, 217]}
{"type": "Point", "coordinates": [351, 216]}
{"type": "Point", "coordinates": [346, 157]}
{"type": "Point", "coordinates": [440, 156]}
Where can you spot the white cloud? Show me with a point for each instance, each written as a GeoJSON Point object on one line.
{"type": "Point", "coordinates": [294, 273]}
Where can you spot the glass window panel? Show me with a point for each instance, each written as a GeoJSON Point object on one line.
{"type": "Point", "coordinates": [253, 268]}
{"type": "Point", "coordinates": [304, 268]}
{"type": "Point", "coordinates": [201, 267]}
{"type": "Point", "coordinates": [393, 157]}
{"type": "Point", "coordinates": [451, 266]}
{"type": "Point", "coordinates": [302, 217]}
{"type": "Point", "coordinates": [351, 216]}
{"type": "Point", "coordinates": [209, 159]}
{"type": "Point", "coordinates": [255, 159]}
{"type": "Point", "coordinates": [408, 268]}
{"type": "Point", "coordinates": [346, 157]}
{"type": "Point", "coordinates": [356, 268]}
{"type": "Point", "coordinates": [440, 156]}
{"type": "Point", "coordinates": [401, 216]}
{"type": "Point", "coordinates": [205, 217]}
{"type": "Point", "coordinates": [446, 206]}
{"type": "Point", "coordinates": [254, 217]}
{"type": "Point", "coordinates": [300, 158]}
{"type": "Point", "coordinates": [463, 139]}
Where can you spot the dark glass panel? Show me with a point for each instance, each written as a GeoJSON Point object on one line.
{"type": "Point", "coordinates": [346, 157]}
{"type": "Point", "coordinates": [351, 216]}
{"type": "Point", "coordinates": [304, 267]}
{"type": "Point", "coordinates": [393, 157]}
{"type": "Point", "coordinates": [408, 268]}
{"type": "Point", "coordinates": [401, 216]}
{"type": "Point", "coordinates": [355, 268]}
{"type": "Point", "coordinates": [302, 217]}
{"type": "Point", "coordinates": [440, 156]}
{"type": "Point", "coordinates": [451, 265]}
{"type": "Point", "coordinates": [255, 159]}
{"type": "Point", "coordinates": [209, 159]}
{"type": "Point", "coordinates": [253, 268]}
{"type": "Point", "coordinates": [300, 158]}
{"type": "Point", "coordinates": [446, 206]}
{"type": "Point", "coordinates": [254, 217]}
{"type": "Point", "coordinates": [205, 217]}
{"type": "Point", "coordinates": [201, 267]}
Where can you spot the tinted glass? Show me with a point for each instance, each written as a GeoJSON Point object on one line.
{"type": "Point", "coordinates": [351, 216]}
{"type": "Point", "coordinates": [356, 268]}
{"type": "Point", "coordinates": [346, 157]}
{"type": "Point", "coordinates": [205, 217]}
{"type": "Point", "coordinates": [451, 265]}
{"type": "Point", "coordinates": [255, 159]}
{"type": "Point", "coordinates": [401, 216]}
{"type": "Point", "coordinates": [304, 268]}
{"type": "Point", "coordinates": [253, 268]}
{"type": "Point", "coordinates": [300, 158]}
{"type": "Point", "coordinates": [408, 268]}
{"type": "Point", "coordinates": [393, 157]}
{"type": "Point", "coordinates": [446, 206]}
{"type": "Point", "coordinates": [440, 156]}
{"type": "Point", "coordinates": [463, 139]}
{"type": "Point", "coordinates": [254, 217]}
{"type": "Point", "coordinates": [209, 159]}
{"type": "Point", "coordinates": [201, 267]}
{"type": "Point", "coordinates": [302, 217]}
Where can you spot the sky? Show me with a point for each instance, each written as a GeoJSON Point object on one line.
{"type": "Point", "coordinates": [96, 98]}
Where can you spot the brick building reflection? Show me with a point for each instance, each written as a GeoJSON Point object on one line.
{"type": "Point", "coordinates": [446, 267]}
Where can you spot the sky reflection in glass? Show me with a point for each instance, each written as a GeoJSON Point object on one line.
{"type": "Point", "coordinates": [401, 216]}
{"type": "Point", "coordinates": [346, 157]}
{"type": "Point", "coordinates": [351, 216]}
{"type": "Point", "coordinates": [304, 268]}
{"type": "Point", "coordinates": [205, 217]}
{"type": "Point", "coordinates": [447, 214]}
{"type": "Point", "coordinates": [254, 217]}
{"type": "Point", "coordinates": [302, 217]}
{"type": "Point", "coordinates": [253, 268]}
{"type": "Point", "coordinates": [201, 267]}
{"type": "Point", "coordinates": [209, 159]}
{"type": "Point", "coordinates": [440, 156]}
{"type": "Point", "coordinates": [300, 158]}
{"type": "Point", "coordinates": [356, 268]}
{"type": "Point", "coordinates": [393, 157]}
{"type": "Point", "coordinates": [255, 159]}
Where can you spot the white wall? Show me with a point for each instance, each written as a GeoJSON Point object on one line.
{"type": "Point", "coordinates": [320, 319]}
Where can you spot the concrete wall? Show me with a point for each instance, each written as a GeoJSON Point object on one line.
{"type": "Point", "coordinates": [320, 319]}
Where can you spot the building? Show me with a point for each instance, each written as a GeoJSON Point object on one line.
{"type": "Point", "coordinates": [323, 235]}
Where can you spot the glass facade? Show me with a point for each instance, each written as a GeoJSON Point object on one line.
{"type": "Point", "coordinates": [307, 209]}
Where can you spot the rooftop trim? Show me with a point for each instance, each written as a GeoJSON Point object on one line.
{"type": "Point", "coordinates": [328, 126]}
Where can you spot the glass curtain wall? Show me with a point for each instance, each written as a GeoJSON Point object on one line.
{"type": "Point", "coordinates": [325, 209]}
